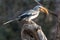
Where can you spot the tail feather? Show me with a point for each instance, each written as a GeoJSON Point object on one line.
{"type": "Point", "coordinates": [10, 21]}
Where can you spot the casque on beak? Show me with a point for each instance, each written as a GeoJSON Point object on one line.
{"type": "Point", "coordinates": [43, 9]}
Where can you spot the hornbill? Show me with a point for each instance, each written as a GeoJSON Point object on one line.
{"type": "Point", "coordinates": [30, 14]}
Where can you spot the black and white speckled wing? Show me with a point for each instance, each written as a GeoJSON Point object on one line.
{"type": "Point", "coordinates": [26, 14]}
{"type": "Point", "coordinates": [22, 16]}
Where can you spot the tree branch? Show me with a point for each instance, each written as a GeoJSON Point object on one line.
{"type": "Point", "coordinates": [32, 31]}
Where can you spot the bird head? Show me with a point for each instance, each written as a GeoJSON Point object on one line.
{"type": "Point", "coordinates": [41, 8]}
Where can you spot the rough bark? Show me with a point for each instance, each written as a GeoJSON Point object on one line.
{"type": "Point", "coordinates": [32, 31]}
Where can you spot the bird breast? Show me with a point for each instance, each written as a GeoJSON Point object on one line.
{"type": "Point", "coordinates": [35, 14]}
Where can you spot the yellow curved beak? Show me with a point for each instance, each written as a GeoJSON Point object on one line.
{"type": "Point", "coordinates": [43, 9]}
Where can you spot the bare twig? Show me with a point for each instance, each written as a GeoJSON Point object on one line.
{"type": "Point", "coordinates": [37, 2]}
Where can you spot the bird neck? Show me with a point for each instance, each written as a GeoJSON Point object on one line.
{"type": "Point", "coordinates": [37, 11]}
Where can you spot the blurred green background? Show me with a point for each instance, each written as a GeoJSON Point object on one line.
{"type": "Point", "coordinates": [10, 9]}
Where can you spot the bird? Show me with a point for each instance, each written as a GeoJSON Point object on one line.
{"type": "Point", "coordinates": [30, 14]}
